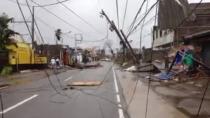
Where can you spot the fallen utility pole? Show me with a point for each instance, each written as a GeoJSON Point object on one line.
{"type": "Point", "coordinates": [122, 39]}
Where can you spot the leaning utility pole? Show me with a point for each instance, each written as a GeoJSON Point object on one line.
{"type": "Point", "coordinates": [113, 26]}
{"type": "Point", "coordinates": [122, 39]}
{"type": "Point", "coordinates": [129, 46]}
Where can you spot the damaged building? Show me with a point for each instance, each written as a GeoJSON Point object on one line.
{"type": "Point", "coordinates": [201, 42]}
{"type": "Point", "coordinates": [173, 25]}
{"type": "Point", "coordinates": [179, 21]}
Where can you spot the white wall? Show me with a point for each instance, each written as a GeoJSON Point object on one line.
{"type": "Point", "coordinates": [167, 37]}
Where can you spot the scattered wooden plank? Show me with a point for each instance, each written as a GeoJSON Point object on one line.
{"type": "Point", "coordinates": [85, 83]}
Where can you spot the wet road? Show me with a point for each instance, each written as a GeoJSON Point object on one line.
{"type": "Point", "coordinates": [51, 98]}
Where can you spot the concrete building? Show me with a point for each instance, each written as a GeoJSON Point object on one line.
{"type": "Point", "coordinates": [163, 38]}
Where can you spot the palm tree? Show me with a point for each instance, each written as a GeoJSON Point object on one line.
{"type": "Point", "coordinates": [5, 32]}
{"type": "Point", "coordinates": [58, 33]}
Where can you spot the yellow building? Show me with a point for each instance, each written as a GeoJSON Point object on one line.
{"type": "Point", "coordinates": [21, 54]}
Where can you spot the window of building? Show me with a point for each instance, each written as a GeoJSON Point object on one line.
{"type": "Point", "coordinates": [165, 33]}
{"type": "Point", "coordinates": [156, 33]}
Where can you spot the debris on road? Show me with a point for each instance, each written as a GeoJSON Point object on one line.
{"type": "Point", "coordinates": [85, 83]}
{"type": "Point", "coordinates": [124, 64]}
{"type": "Point", "coordinates": [144, 68]}
{"type": "Point", "coordinates": [131, 69]}
{"type": "Point", "coordinates": [166, 75]}
{"type": "Point", "coordinates": [3, 86]}
{"type": "Point", "coordinates": [90, 65]}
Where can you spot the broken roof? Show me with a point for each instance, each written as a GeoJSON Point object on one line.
{"type": "Point", "coordinates": [202, 9]}
{"type": "Point", "coordinates": [198, 35]}
{"type": "Point", "coordinates": [173, 12]}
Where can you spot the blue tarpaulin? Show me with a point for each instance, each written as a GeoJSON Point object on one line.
{"type": "Point", "coordinates": [166, 75]}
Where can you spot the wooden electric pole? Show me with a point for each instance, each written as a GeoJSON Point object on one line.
{"type": "Point", "coordinates": [130, 48]}
{"type": "Point", "coordinates": [123, 38]}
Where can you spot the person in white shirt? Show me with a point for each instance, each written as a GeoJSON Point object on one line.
{"type": "Point", "coordinates": [52, 62]}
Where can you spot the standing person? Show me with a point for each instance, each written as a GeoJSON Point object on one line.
{"type": "Point", "coordinates": [52, 62]}
{"type": "Point", "coordinates": [189, 58]}
{"type": "Point", "coordinates": [57, 62]}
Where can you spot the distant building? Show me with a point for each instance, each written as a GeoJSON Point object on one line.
{"type": "Point", "coordinates": [63, 52]}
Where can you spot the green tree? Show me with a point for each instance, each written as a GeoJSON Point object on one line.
{"type": "Point", "coordinates": [5, 32]}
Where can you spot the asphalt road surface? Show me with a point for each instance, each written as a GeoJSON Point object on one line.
{"type": "Point", "coordinates": [51, 98]}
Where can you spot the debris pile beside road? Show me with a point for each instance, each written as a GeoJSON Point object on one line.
{"type": "Point", "coordinates": [143, 68]}
{"type": "Point", "coordinates": [176, 74]}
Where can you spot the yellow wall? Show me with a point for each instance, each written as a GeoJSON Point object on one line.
{"type": "Point", "coordinates": [23, 54]}
{"type": "Point", "coordinates": [20, 54]}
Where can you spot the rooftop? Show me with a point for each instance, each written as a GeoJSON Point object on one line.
{"type": "Point", "coordinates": [198, 35]}
{"type": "Point", "coordinates": [203, 8]}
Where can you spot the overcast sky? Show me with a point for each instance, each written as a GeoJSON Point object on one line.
{"type": "Point", "coordinates": [88, 10]}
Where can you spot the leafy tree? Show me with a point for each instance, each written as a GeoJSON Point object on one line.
{"type": "Point", "coordinates": [5, 32]}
